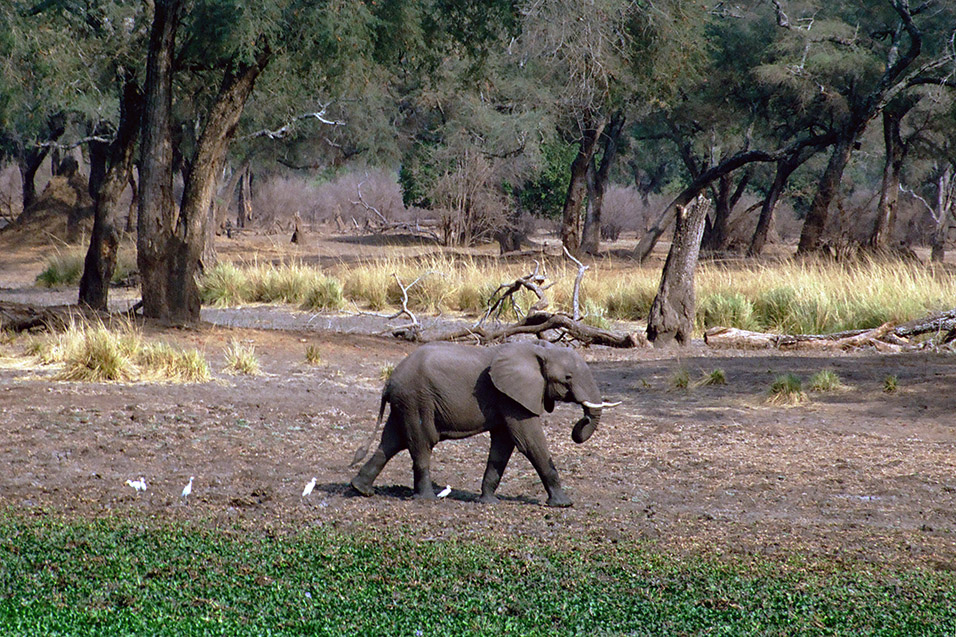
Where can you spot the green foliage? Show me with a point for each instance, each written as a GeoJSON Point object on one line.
{"type": "Point", "coordinates": [113, 577]}
{"type": "Point", "coordinates": [716, 377]}
{"type": "Point", "coordinates": [544, 191]}
{"type": "Point", "coordinates": [61, 269]}
{"type": "Point", "coordinates": [680, 379]}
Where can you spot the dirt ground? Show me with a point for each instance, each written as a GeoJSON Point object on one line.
{"type": "Point", "coordinates": [857, 474]}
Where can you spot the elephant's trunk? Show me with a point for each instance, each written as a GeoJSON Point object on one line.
{"type": "Point", "coordinates": [586, 426]}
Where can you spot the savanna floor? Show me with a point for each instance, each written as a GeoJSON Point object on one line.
{"type": "Point", "coordinates": [857, 474]}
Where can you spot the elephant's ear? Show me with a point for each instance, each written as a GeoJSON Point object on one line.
{"type": "Point", "coordinates": [516, 373]}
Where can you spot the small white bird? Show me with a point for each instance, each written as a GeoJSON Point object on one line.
{"type": "Point", "coordinates": [444, 492]}
{"type": "Point", "coordinates": [188, 489]}
{"type": "Point", "coordinates": [139, 485]}
{"type": "Point", "coordinates": [308, 488]}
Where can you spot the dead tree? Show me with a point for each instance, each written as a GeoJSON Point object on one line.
{"type": "Point", "coordinates": [672, 313]}
{"type": "Point", "coordinates": [555, 327]}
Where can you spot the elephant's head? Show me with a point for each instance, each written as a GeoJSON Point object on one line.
{"type": "Point", "coordinates": [536, 376]}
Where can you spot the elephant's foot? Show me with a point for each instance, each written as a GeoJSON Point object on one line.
{"type": "Point", "coordinates": [428, 495]}
{"type": "Point", "coordinates": [488, 498]}
{"type": "Point", "coordinates": [559, 500]}
{"type": "Point", "coordinates": [362, 487]}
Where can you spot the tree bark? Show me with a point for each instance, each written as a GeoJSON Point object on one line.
{"type": "Point", "coordinates": [814, 227]}
{"type": "Point", "coordinates": [597, 179]}
{"type": "Point", "coordinates": [189, 238]}
{"type": "Point", "coordinates": [717, 234]}
{"type": "Point", "coordinates": [156, 213]}
{"type": "Point", "coordinates": [101, 257]}
{"type": "Point", "coordinates": [945, 196]}
{"type": "Point", "coordinates": [577, 188]}
{"type": "Point", "coordinates": [673, 311]}
{"type": "Point", "coordinates": [30, 159]}
{"type": "Point", "coordinates": [785, 168]}
{"type": "Point", "coordinates": [890, 187]}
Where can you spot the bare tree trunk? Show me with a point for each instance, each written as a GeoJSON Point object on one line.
{"type": "Point", "coordinates": [704, 178]}
{"type": "Point", "coordinates": [814, 227]}
{"type": "Point", "coordinates": [189, 238]}
{"type": "Point", "coordinates": [133, 202]}
{"type": "Point", "coordinates": [945, 200]}
{"type": "Point", "coordinates": [890, 188]}
{"type": "Point", "coordinates": [717, 235]}
{"type": "Point", "coordinates": [29, 160]}
{"type": "Point", "coordinates": [597, 184]}
{"type": "Point", "coordinates": [104, 241]}
{"type": "Point", "coordinates": [577, 189]}
{"type": "Point", "coordinates": [673, 311]}
{"type": "Point", "coordinates": [157, 214]}
{"type": "Point", "coordinates": [785, 168]}
{"type": "Point", "coordinates": [245, 198]}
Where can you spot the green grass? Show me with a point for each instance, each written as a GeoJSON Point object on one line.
{"type": "Point", "coordinates": [825, 380]}
{"type": "Point", "coordinates": [787, 390]}
{"type": "Point", "coordinates": [123, 578]}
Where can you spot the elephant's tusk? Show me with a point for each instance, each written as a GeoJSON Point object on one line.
{"type": "Point", "coordinates": [601, 405]}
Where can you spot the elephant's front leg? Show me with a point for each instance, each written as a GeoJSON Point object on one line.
{"type": "Point", "coordinates": [530, 440]}
{"type": "Point", "coordinates": [502, 446]}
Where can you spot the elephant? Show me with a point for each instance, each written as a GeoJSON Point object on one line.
{"type": "Point", "coordinates": [444, 391]}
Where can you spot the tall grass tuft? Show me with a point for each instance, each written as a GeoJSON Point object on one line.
{"type": "Point", "coordinates": [242, 359]}
{"type": "Point", "coordinates": [324, 293]}
{"type": "Point", "coordinates": [66, 267]}
{"type": "Point", "coordinates": [825, 380]}
{"type": "Point", "coordinates": [225, 284]}
{"type": "Point", "coordinates": [101, 353]}
{"type": "Point", "coordinates": [61, 269]}
{"type": "Point", "coordinates": [787, 390]}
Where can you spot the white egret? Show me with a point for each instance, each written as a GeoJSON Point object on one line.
{"type": "Point", "coordinates": [308, 488]}
{"type": "Point", "coordinates": [139, 485]}
{"type": "Point", "coordinates": [188, 489]}
{"type": "Point", "coordinates": [444, 492]}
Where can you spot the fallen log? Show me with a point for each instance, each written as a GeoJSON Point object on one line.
{"type": "Point", "coordinates": [538, 324]}
{"type": "Point", "coordinates": [21, 317]}
{"type": "Point", "coordinates": [881, 338]}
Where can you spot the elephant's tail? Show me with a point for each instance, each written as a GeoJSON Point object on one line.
{"type": "Point", "coordinates": [362, 451]}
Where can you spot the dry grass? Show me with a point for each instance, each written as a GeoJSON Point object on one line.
{"type": "Point", "coordinates": [117, 352]}
{"type": "Point", "coordinates": [789, 297]}
{"type": "Point", "coordinates": [242, 359]}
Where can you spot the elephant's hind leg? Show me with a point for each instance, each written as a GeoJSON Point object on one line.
{"type": "Point", "coordinates": [392, 442]}
{"type": "Point", "coordinates": [502, 446]}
